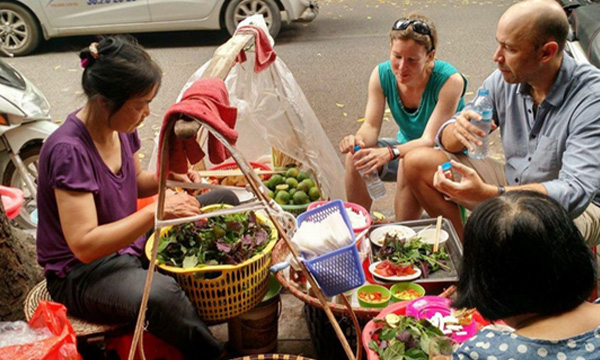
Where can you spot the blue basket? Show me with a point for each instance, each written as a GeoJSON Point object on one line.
{"type": "Point", "coordinates": [339, 270]}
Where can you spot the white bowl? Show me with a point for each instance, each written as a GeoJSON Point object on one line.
{"type": "Point", "coordinates": [428, 236]}
{"type": "Point", "coordinates": [378, 235]}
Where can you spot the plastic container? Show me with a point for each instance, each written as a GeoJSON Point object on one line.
{"type": "Point", "coordinates": [369, 289]}
{"type": "Point", "coordinates": [399, 287]}
{"type": "Point", "coordinates": [354, 207]}
{"type": "Point", "coordinates": [374, 184]}
{"type": "Point", "coordinates": [484, 106]}
{"type": "Point", "coordinates": [339, 270]}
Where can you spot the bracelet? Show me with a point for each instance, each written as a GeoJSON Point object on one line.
{"type": "Point", "coordinates": [391, 153]}
{"type": "Point", "coordinates": [501, 190]}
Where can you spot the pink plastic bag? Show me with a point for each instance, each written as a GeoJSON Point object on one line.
{"type": "Point", "coordinates": [61, 346]}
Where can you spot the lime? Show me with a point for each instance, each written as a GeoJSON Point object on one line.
{"type": "Point", "coordinates": [305, 185]}
{"type": "Point", "coordinates": [302, 175]}
{"type": "Point", "coordinates": [292, 172]}
{"type": "Point", "coordinates": [313, 193]}
{"type": "Point", "coordinates": [300, 197]}
{"type": "Point", "coordinates": [293, 183]}
{"type": "Point", "coordinates": [271, 194]}
{"type": "Point", "coordinates": [282, 187]}
{"type": "Point", "coordinates": [292, 191]}
{"type": "Point", "coordinates": [309, 182]}
{"type": "Point", "coordinates": [277, 179]}
{"type": "Point", "coordinates": [282, 197]}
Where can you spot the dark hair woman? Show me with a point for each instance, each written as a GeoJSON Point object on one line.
{"type": "Point", "coordinates": [421, 93]}
{"type": "Point", "coordinates": [90, 236]}
{"type": "Point", "coordinates": [526, 263]}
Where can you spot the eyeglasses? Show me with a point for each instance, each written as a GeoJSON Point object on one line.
{"type": "Point", "coordinates": [419, 27]}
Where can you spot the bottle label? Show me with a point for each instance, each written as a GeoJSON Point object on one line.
{"type": "Point", "coordinates": [486, 115]}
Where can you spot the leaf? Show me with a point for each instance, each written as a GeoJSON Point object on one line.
{"type": "Point", "coordinates": [223, 247]}
{"type": "Point", "coordinates": [415, 354]}
{"type": "Point", "coordinates": [339, 105]}
{"type": "Point", "coordinates": [190, 262]}
{"type": "Point", "coordinates": [360, 120]}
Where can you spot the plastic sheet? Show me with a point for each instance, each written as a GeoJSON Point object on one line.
{"type": "Point", "coordinates": [273, 112]}
{"type": "Point", "coordinates": [47, 336]}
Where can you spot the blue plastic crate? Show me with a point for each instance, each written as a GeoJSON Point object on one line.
{"type": "Point", "coordinates": [339, 270]}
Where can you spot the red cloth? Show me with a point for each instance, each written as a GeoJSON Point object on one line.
{"type": "Point", "coordinates": [208, 100]}
{"type": "Point", "coordinates": [265, 55]}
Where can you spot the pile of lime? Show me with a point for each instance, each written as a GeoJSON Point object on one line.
{"type": "Point", "coordinates": [292, 188]}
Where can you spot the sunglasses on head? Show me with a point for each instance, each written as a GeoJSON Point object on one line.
{"type": "Point", "coordinates": [418, 26]}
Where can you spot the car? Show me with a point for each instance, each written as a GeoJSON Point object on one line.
{"type": "Point", "coordinates": [24, 23]}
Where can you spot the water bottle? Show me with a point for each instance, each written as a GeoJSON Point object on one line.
{"type": "Point", "coordinates": [374, 184]}
{"type": "Point", "coordinates": [483, 105]}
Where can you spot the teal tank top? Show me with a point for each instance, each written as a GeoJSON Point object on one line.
{"type": "Point", "coordinates": [412, 125]}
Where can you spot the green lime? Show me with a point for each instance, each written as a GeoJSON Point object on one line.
{"type": "Point", "coordinates": [282, 197]}
{"type": "Point", "coordinates": [293, 183]}
{"type": "Point", "coordinates": [271, 194]}
{"type": "Point", "coordinates": [302, 176]}
{"type": "Point", "coordinates": [309, 182]}
{"type": "Point", "coordinates": [292, 172]}
{"type": "Point", "coordinates": [313, 193]}
{"type": "Point", "coordinates": [276, 180]}
{"type": "Point", "coordinates": [292, 191]}
{"type": "Point", "coordinates": [300, 197]}
{"type": "Point", "coordinates": [282, 187]}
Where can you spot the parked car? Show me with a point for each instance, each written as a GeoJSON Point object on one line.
{"type": "Point", "coordinates": [23, 23]}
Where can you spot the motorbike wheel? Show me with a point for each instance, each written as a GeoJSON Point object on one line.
{"type": "Point", "coordinates": [30, 156]}
{"type": "Point", "coordinates": [20, 33]}
{"type": "Point", "coordinates": [238, 10]}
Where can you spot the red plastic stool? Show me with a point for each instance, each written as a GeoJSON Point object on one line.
{"type": "Point", "coordinates": [12, 199]}
{"type": "Point", "coordinates": [154, 348]}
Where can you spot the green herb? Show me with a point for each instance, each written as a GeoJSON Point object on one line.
{"type": "Point", "coordinates": [413, 251]}
{"type": "Point", "coordinates": [403, 338]}
{"type": "Point", "coordinates": [228, 239]}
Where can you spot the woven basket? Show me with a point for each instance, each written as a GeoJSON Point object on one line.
{"type": "Point", "coordinates": [81, 327]}
{"type": "Point", "coordinates": [221, 292]}
{"type": "Point", "coordinates": [273, 357]}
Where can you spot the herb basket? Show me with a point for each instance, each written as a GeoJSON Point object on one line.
{"type": "Point", "coordinates": [221, 292]}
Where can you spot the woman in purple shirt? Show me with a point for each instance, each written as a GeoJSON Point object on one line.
{"type": "Point", "coordinates": [90, 236]}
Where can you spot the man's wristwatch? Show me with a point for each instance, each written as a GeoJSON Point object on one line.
{"type": "Point", "coordinates": [501, 190]}
{"type": "Point", "coordinates": [395, 153]}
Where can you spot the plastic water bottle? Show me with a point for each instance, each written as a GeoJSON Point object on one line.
{"type": "Point", "coordinates": [374, 184]}
{"type": "Point", "coordinates": [484, 106]}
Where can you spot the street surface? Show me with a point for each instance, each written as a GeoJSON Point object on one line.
{"type": "Point", "coordinates": [331, 58]}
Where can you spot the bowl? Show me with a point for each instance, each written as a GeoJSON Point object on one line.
{"type": "Point", "coordinates": [428, 236]}
{"type": "Point", "coordinates": [371, 289]}
{"type": "Point", "coordinates": [377, 235]}
{"type": "Point", "coordinates": [399, 287]}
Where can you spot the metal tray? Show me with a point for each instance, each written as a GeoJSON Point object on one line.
{"type": "Point", "coordinates": [440, 279]}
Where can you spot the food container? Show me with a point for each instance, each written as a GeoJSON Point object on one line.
{"type": "Point", "coordinates": [399, 287]}
{"type": "Point", "coordinates": [372, 289]}
{"type": "Point", "coordinates": [436, 282]}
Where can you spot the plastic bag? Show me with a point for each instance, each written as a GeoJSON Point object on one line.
{"type": "Point", "coordinates": [273, 112]}
{"type": "Point", "coordinates": [60, 345]}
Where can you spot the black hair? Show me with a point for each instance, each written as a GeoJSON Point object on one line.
{"type": "Point", "coordinates": [121, 70]}
{"type": "Point", "coordinates": [550, 27]}
{"type": "Point", "coordinates": [523, 254]}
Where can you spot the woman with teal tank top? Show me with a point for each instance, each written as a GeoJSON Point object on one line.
{"type": "Point", "coordinates": [421, 93]}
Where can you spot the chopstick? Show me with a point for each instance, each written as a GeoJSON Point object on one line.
{"type": "Point", "coordinates": [436, 239]}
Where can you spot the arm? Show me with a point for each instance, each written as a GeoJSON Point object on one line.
{"type": "Point", "coordinates": [147, 183]}
{"type": "Point", "coordinates": [368, 133]}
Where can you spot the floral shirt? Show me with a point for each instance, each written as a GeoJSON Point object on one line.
{"type": "Point", "coordinates": [498, 344]}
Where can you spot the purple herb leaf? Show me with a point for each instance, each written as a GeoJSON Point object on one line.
{"type": "Point", "coordinates": [247, 240]}
{"type": "Point", "coordinates": [261, 236]}
{"type": "Point", "coordinates": [223, 247]}
{"type": "Point", "coordinates": [234, 226]}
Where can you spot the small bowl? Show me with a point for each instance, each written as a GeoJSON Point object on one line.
{"type": "Point", "coordinates": [377, 235]}
{"type": "Point", "coordinates": [428, 236]}
{"type": "Point", "coordinates": [399, 287]}
{"type": "Point", "coordinates": [369, 289]}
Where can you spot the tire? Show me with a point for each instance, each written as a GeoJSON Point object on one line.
{"type": "Point", "coordinates": [12, 178]}
{"type": "Point", "coordinates": [20, 32]}
{"type": "Point", "coordinates": [238, 10]}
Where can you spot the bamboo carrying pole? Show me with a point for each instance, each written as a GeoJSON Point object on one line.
{"type": "Point", "coordinates": [221, 63]}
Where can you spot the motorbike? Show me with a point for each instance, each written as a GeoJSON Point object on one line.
{"type": "Point", "coordinates": [24, 124]}
{"type": "Point", "coordinates": [584, 36]}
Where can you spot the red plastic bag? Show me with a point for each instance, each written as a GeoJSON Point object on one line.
{"type": "Point", "coordinates": [61, 346]}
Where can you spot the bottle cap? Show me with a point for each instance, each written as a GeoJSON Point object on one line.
{"type": "Point", "coordinates": [446, 166]}
{"type": "Point", "coordinates": [356, 148]}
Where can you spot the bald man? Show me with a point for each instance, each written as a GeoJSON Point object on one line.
{"type": "Point", "coordinates": [548, 110]}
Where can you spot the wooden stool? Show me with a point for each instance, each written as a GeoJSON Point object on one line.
{"type": "Point", "coordinates": [81, 327]}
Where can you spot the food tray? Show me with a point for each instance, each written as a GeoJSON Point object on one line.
{"type": "Point", "coordinates": [439, 279]}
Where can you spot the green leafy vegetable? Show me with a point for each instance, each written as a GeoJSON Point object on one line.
{"type": "Point", "coordinates": [413, 251]}
{"type": "Point", "coordinates": [228, 239]}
